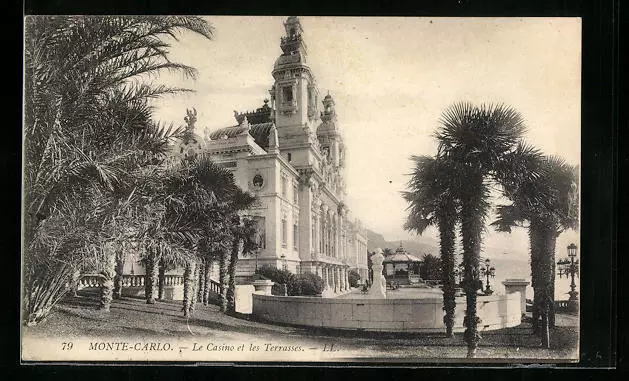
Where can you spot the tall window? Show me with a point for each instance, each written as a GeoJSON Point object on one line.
{"type": "Point", "coordinates": [287, 94]}
{"type": "Point", "coordinates": [322, 234]}
{"type": "Point", "coordinates": [260, 232]}
{"type": "Point", "coordinates": [314, 232]}
{"type": "Point", "coordinates": [311, 101]}
{"type": "Point", "coordinates": [295, 236]}
{"type": "Point", "coordinates": [284, 186]}
{"type": "Point", "coordinates": [284, 232]}
{"type": "Point", "coordinates": [295, 194]}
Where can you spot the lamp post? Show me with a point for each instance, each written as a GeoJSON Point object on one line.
{"type": "Point", "coordinates": [458, 272]}
{"type": "Point", "coordinates": [284, 266]}
{"type": "Point", "coordinates": [488, 271]}
{"type": "Point", "coordinates": [570, 267]}
{"type": "Point", "coordinates": [132, 257]}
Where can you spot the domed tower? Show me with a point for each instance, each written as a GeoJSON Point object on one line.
{"type": "Point", "coordinates": [329, 134]}
{"type": "Point", "coordinates": [294, 94]}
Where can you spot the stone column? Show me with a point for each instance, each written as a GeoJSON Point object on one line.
{"type": "Point", "coordinates": [337, 279]}
{"type": "Point", "coordinates": [341, 280]}
{"type": "Point", "coordinates": [347, 278]}
{"type": "Point", "coordinates": [328, 278]}
{"type": "Point", "coordinates": [517, 285]}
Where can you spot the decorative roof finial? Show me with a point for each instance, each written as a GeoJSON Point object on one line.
{"type": "Point", "coordinates": [245, 122]}
{"type": "Point", "coordinates": [274, 143]}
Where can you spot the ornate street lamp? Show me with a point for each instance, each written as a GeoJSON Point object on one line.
{"type": "Point", "coordinates": [487, 270]}
{"type": "Point", "coordinates": [458, 272]}
{"type": "Point", "coordinates": [284, 266]}
{"type": "Point", "coordinates": [132, 258]}
{"type": "Point", "coordinates": [570, 267]}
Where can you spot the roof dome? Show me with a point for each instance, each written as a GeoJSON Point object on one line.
{"type": "Point", "coordinates": [327, 127]}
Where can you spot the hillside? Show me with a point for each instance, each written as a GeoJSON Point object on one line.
{"type": "Point", "coordinates": [415, 247]}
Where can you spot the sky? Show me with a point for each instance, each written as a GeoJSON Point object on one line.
{"type": "Point", "coordinates": [391, 78]}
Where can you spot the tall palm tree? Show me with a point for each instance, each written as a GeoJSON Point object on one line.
{"type": "Point", "coordinates": [244, 234]}
{"type": "Point", "coordinates": [432, 198]}
{"type": "Point", "coordinates": [87, 117]}
{"type": "Point", "coordinates": [477, 138]}
{"type": "Point", "coordinates": [199, 204]}
{"type": "Point", "coordinates": [549, 203]}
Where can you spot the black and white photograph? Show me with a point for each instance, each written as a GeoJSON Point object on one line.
{"type": "Point", "coordinates": [301, 189]}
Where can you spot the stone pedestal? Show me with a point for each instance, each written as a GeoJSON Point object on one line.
{"type": "Point", "coordinates": [379, 287]}
{"type": "Point", "coordinates": [263, 286]}
{"type": "Point", "coordinates": [517, 285]}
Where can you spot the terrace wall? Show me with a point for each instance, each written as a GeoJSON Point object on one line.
{"type": "Point", "coordinates": [388, 315]}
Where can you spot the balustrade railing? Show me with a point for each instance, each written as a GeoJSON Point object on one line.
{"type": "Point", "coordinates": [173, 280]}
{"type": "Point", "coordinates": [215, 286]}
{"type": "Point", "coordinates": [133, 280]}
{"type": "Point", "coordinates": [128, 280]}
{"type": "Point", "coordinates": [91, 280]}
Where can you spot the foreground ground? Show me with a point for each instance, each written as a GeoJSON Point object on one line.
{"type": "Point", "coordinates": [212, 336]}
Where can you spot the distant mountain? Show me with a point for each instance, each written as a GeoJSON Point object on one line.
{"type": "Point", "coordinates": [428, 245]}
{"type": "Point", "coordinates": [414, 247]}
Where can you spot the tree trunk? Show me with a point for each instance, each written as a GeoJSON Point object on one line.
{"type": "Point", "coordinates": [161, 279]}
{"type": "Point", "coordinates": [76, 278]}
{"type": "Point", "coordinates": [231, 290]}
{"type": "Point", "coordinates": [551, 291]}
{"type": "Point", "coordinates": [471, 232]}
{"type": "Point", "coordinates": [120, 255]}
{"type": "Point", "coordinates": [536, 283]}
{"type": "Point", "coordinates": [447, 220]}
{"type": "Point", "coordinates": [195, 284]}
{"type": "Point", "coordinates": [188, 288]}
{"type": "Point", "coordinates": [109, 271]}
{"type": "Point", "coordinates": [206, 280]}
{"type": "Point", "coordinates": [201, 281]}
{"type": "Point", "coordinates": [545, 237]}
{"type": "Point", "coordinates": [222, 278]}
{"type": "Point", "coordinates": [151, 276]}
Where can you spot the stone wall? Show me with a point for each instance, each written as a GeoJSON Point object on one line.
{"type": "Point", "coordinates": [388, 315]}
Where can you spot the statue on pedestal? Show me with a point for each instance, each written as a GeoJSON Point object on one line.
{"type": "Point", "coordinates": [378, 289]}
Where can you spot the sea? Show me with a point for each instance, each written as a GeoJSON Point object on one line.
{"type": "Point", "coordinates": [516, 268]}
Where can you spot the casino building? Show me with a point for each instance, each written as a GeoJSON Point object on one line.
{"type": "Point", "coordinates": [290, 153]}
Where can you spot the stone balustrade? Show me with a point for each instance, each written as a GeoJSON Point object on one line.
{"type": "Point", "coordinates": [133, 280]}
{"type": "Point", "coordinates": [129, 280]}
{"type": "Point", "coordinates": [91, 281]}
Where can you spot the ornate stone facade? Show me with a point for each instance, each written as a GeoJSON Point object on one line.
{"type": "Point", "coordinates": [292, 157]}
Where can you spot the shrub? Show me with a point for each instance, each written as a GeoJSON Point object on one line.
{"type": "Point", "coordinates": [278, 289]}
{"type": "Point", "coordinates": [274, 274]}
{"type": "Point", "coordinates": [353, 278]}
{"type": "Point", "coordinates": [305, 285]}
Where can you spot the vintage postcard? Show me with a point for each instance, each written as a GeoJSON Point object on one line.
{"type": "Point", "coordinates": [320, 189]}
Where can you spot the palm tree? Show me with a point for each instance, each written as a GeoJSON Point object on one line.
{"type": "Point", "coordinates": [477, 138]}
{"type": "Point", "coordinates": [87, 120]}
{"type": "Point", "coordinates": [432, 198]}
{"type": "Point", "coordinates": [198, 207]}
{"type": "Point", "coordinates": [244, 234]}
{"type": "Point", "coordinates": [549, 203]}
{"type": "Point", "coordinates": [188, 287]}
{"type": "Point", "coordinates": [119, 268]}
